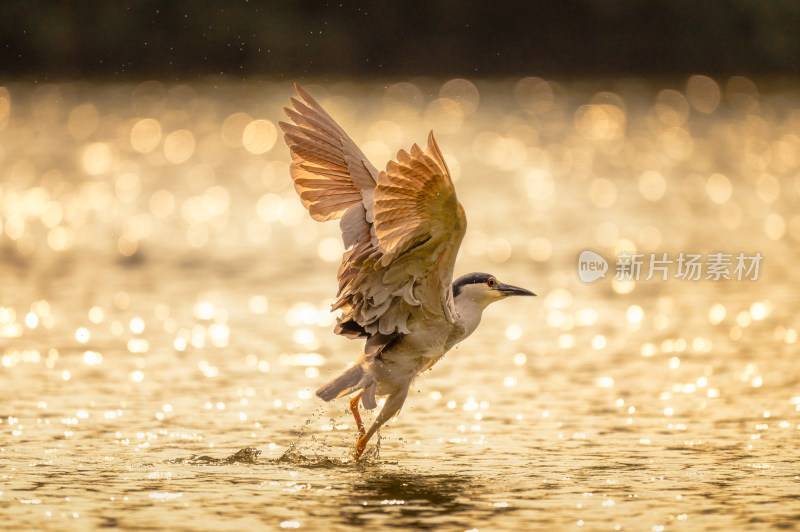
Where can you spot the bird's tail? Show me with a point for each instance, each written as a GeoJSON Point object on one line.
{"type": "Point", "coordinates": [350, 380]}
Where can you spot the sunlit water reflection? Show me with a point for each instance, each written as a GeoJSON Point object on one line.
{"type": "Point", "coordinates": [164, 311]}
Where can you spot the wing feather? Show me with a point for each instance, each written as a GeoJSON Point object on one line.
{"type": "Point", "coordinates": [415, 197]}
{"type": "Point", "coordinates": [401, 227]}
{"type": "Point", "coordinates": [326, 160]}
{"type": "Point", "coordinates": [419, 225]}
{"type": "Point", "coordinates": [323, 149]}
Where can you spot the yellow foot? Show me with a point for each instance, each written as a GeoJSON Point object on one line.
{"type": "Point", "coordinates": [361, 444]}
{"type": "Point", "coordinates": [356, 415]}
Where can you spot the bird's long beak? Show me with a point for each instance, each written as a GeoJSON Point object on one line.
{"type": "Point", "coordinates": [509, 290]}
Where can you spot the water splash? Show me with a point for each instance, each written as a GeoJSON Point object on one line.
{"type": "Point", "coordinates": [246, 455]}
{"type": "Point", "coordinates": [296, 457]}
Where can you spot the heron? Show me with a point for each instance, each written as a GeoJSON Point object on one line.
{"type": "Point", "coordinates": [401, 228]}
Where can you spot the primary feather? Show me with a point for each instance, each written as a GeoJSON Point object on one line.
{"type": "Point", "coordinates": [401, 227]}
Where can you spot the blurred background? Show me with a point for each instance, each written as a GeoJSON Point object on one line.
{"type": "Point", "coordinates": [182, 40]}
{"type": "Point", "coordinates": [164, 297]}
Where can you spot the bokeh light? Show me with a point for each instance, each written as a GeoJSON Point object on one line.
{"type": "Point", "coordinates": [259, 136]}
{"type": "Point", "coordinates": [146, 135]}
{"type": "Point", "coordinates": [179, 146]}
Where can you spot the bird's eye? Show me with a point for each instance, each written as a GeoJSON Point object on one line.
{"type": "Point", "coordinates": [491, 282]}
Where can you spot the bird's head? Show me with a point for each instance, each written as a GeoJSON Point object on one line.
{"type": "Point", "coordinates": [483, 288]}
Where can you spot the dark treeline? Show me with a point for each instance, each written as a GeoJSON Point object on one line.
{"type": "Point", "coordinates": [182, 39]}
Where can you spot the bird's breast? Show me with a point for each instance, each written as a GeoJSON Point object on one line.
{"type": "Point", "coordinates": [413, 354]}
{"type": "Point", "coordinates": [429, 344]}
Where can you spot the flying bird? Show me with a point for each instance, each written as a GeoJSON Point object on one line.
{"type": "Point", "coordinates": [401, 228]}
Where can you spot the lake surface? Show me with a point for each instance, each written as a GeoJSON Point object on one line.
{"type": "Point", "coordinates": [164, 311]}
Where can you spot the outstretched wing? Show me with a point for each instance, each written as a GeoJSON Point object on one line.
{"type": "Point", "coordinates": [402, 227]}
{"type": "Point", "coordinates": [405, 281]}
{"type": "Point", "coordinates": [331, 174]}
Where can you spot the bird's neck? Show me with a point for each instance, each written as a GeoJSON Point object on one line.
{"type": "Point", "coordinates": [469, 313]}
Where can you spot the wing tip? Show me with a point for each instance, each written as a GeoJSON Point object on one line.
{"type": "Point", "coordinates": [285, 127]}
{"type": "Point", "coordinates": [300, 90]}
{"type": "Point", "coordinates": [436, 154]}
{"type": "Point", "coordinates": [307, 99]}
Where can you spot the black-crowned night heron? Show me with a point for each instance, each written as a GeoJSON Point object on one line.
{"type": "Point", "coordinates": [402, 228]}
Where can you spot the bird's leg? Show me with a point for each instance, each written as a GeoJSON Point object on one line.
{"type": "Point", "coordinates": [356, 415]}
{"type": "Point", "coordinates": [393, 404]}
{"type": "Point", "coordinates": [361, 444]}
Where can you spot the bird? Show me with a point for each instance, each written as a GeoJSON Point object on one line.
{"type": "Point", "coordinates": [401, 229]}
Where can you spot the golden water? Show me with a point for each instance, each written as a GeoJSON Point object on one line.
{"type": "Point", "coordinates": [164, 296]}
